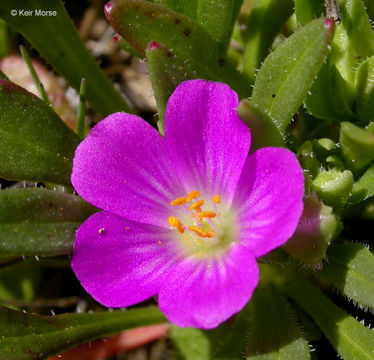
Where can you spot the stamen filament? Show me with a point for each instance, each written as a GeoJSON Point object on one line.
{"type": "Point", "coordinates": [201, 232]}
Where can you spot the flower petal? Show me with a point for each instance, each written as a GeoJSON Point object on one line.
{"type": "Point", "coordinates": [269, 199]}
{"type": "Point", "coordinates": [122, 166]}
{"type": "Point", "coordinates": [205, 292]}
{"type": "Point", "coordinates": [207, 140]}
{"type": "Point", "coordinates": [120, 262]}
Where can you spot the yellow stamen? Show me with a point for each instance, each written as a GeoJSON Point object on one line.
{"type": "Point", "coordinates": [201, 232]}
{"type": "Point", "coordinates": [193, 195]}
{"type": "Point", "coordinates": [180, 227]}
{"type": "Point", "coordinates": [207, 214]}
{"type": "Point", "coordinates": [174, 222]}
{"type": "Point", "coordinates": [217, 199]}
{"type": "Point", "coordinates": [179, 201]}
{"type": "Point", "coordinates": [196, 205]}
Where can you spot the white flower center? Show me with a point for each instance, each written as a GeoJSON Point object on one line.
{"type": "Point", "coordinates": [205, 227]}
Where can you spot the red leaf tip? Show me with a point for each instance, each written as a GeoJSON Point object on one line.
{"type": "Point", "coordinates": [329, 24]}
{"type": "Point", "coordinates": [153, 45]}
{"type": "Point", "coordinates": [108, 9]}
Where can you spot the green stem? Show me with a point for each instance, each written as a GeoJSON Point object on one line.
{"type": "Point", "coordinates": [34, 75]}
{"type": "Point", "coordinates": [81, 109]}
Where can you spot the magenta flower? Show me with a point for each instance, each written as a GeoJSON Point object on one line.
{"type": "Point", "coordinates": [185, 216]}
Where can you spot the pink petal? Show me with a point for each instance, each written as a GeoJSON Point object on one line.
{"type": "Point", "coordinates": [269, 199]}
{"type": "Point", "coordinates": [205, 292]}
{"type": "Point", "coordinates": [120, 262]}
{"type": "Point", "coordinates": [207, 141]}
{"type": "Point", "coordinates": [122, 166]}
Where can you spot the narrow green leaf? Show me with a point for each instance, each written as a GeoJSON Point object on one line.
{"type": "Point", "coordinates": [34, 75]}
{"type": "Point", "coordinates": [273, 333]}
{"type": "Point", "coordinates": [327, 98]}
{"type": "Point", "coordinates": [190, 344]}
{"type": "Point", "coordinates": [365, 91]}
{"type": "Point", "coordinates": [357, 145]}
{"type": "Point", "coordinates": [226, 342]}
{"type": "Point", "coordinates": [166, 71]}
{"type": "Point", "coordinates": [35, 144]}
{"type": "Point", "coordinates": [140, 21]}
{"type": "Point", "coordinates": [308, 10]}
{"type": "Point", "coordinates": [4, 39]}
{"type": "Point", "coordinates": [350, 267]}
{"type": "Point", "coordinates": [57, 40]}
{"type": "Point", "coordinates": [41, 222]}
{"type": "Point", "coordinates": [353, 41]}
{"type": "Point", "coordinates": [364, 187]}
{"type": "Point", "coordinates": [287, 74]}
{"type": "Point", "coordinates": [30, 336]}
{"type": "Point", "coordinates": [185, 7]}
{"type": "Point", "coordinates": [351, 339]}
{"type": "Point", "coordinates": [264, 132]}
{"type": "Point", "coordinates": [19, 281]}
{"type": "Point", "coordinates": [217, 17]}
{"type": "Point", "coordinates": [265, 21]}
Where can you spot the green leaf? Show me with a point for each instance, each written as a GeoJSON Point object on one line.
{"type": "Point", "coordinates": [287, 74]}
{"type": "Point", "coordinates": [364, 187]}
{"type": "Point", "coordinates": [334, 187]}
{"type": "Point", "coordinates": [41, 222]}
{"type": "Point", "coordinates": [353, 41]}
{"type": "Point", "coordinates": [351, 339]}
{"type": "Point", "coordinates": [365, 91]}
{"type": "Point", "coordinates": [317, 228]}
{"type": "Point", "coordinates": [166, 71]}
{"type": "Point", "coordinates": [139, 22]}
{"type": "Point", "coordinates": [264, 132]}
{"type": "Point", "coordinates": [308, 10]}
{"type": "Point", "coordinates": [190, 344]}
{"type": "Point", "coordinates": [273, 333]}
{"type": "Point", "coordinates": [36, 144]}
{"type": "Point", "coordinates": [350, 267]}
{"type": "Point", "coordinates": [357, 145]}
{"type": "Point", "coordinates": [265, 21]}
{"type": "Point", "coordinates": [19, 281]}
{"type": "Point", "coordinates": [327, 98]}
{"type": "Point", "coordinates": [217, 17]}
{"type": "Point", "coordinates": [57, 40]}
{"type": "Point", "coordinates": [31, 336]}
{"type": "Point", "coordinates": [307, 159]}
{"type": "Point", "coordinates": [226, 342]}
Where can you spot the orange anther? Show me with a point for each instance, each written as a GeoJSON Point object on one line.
{"type": "Point", "coordinates": [217, 199]}
{"type": "Point", "coordinates": [179, 201]}
{"type": "Point", "coordinates": [193, 195]}
{"type": "Point", "coordinates": [201, 232]}
{"type": "Point", "coordinates": [174, 222]}
{"type": "Point", "coordinates": [180, 227]}
{"type": "Point", "coordinates": [196, 205]}
{"type": "Point", "coordinates": [207, 214]}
